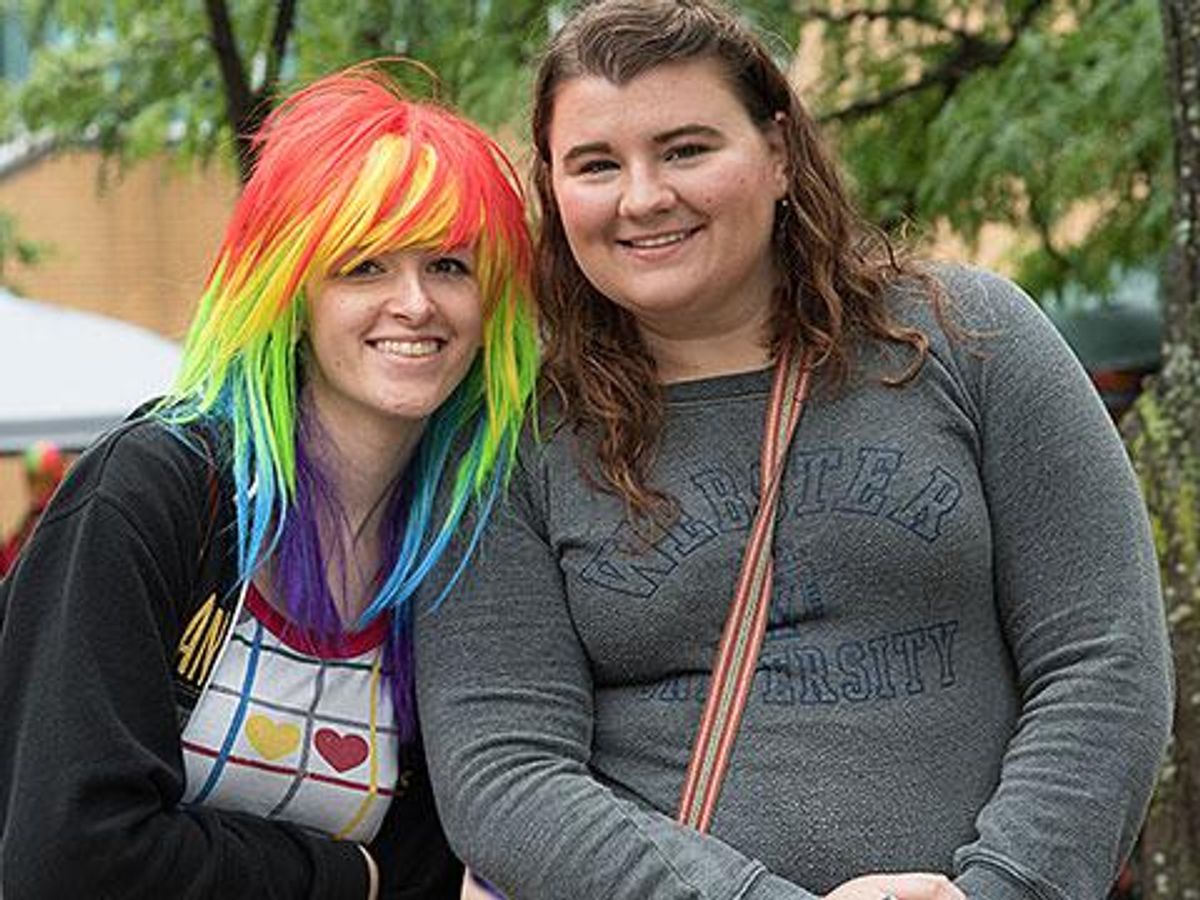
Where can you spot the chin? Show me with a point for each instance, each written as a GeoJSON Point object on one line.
{"type": "Point", "coordinates": [409, 412]}
{"type": "Point", "coordinates": [656, 305]}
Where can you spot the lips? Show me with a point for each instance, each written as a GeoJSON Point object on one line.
{"type": "Point", "coordinates": [409, 349]}
{"type": "Point", "coordinates": [658, 241]}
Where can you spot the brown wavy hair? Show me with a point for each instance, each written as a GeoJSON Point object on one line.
{"type": "Point", "coordinates": [834, 266]}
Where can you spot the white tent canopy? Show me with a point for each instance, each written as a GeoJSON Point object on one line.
{"type": "Point", "coordinates": [67, 375]}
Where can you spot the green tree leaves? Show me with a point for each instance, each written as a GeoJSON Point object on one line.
{"type": "Point", "coordinates": [1046, 116]}
{"type": "Point", "coordinates": [1049, 117]}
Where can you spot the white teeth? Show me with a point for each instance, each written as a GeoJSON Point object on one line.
{"type": "Point", "coordinates": [661, 240]}
{"type": "Point", "coordinates": [408, 348]}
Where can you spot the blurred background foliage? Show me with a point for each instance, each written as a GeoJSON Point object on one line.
{"type": "Point", "coordinates": [131, 78]}
{"type": "Point", "coordinates": [1048, 117]}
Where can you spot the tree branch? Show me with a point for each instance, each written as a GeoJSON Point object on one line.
{"type": "Point", "coordinates": [1042, 226]}
{"type": "Point", "coordinates": [239, 100]}
{"type": "Point", "coordinates": [285, 20]}
{"type": "Point", "coordinates": [229, 59]}
{"type": "Point", "coordinates": [245, 107]}
{"type": "Point", "coordinates": [971, 54]}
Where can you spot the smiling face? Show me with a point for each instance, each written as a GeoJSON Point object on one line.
{"type": "Point", "coordinates": [391, 337]}
{"type": "Point", "coordinates": [667, 190]}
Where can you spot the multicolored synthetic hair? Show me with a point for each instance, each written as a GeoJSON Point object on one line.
{"type": "Point", "coordinates": [349, 168]}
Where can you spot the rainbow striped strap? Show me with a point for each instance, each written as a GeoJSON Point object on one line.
{"type": "Point", "coordinates": [737, 654]}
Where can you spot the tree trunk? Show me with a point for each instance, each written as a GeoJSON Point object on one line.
{"type": "Point", "coordinates": [245, 107]}
{"type": "Point", "coordinates": [1163, 433]}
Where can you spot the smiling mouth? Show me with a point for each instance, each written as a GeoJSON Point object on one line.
{"type": "Point", "coordinates": [408, 349]}
{"type": "Point", "coordinates": [657, 241]}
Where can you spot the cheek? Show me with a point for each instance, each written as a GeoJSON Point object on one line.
{"type": "Point", "coordinates": [734, 187]}
{"type": "Point", "coordinates": [581, 214]}
{"type": "Point", "coordinates": [585, 223]}
{"type": "Point", "coordinates": [332, 311]}
{"type": "Point", "coordinates": [475, 332]}
{"type": "Point", "coordinates": [469, 340]}
{"type": "Point", "coordinates": [468, 318]}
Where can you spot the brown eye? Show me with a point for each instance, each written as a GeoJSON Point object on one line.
{"type": "Point", "coordinates": [449, 265]}
{"type": "Point", "coordinates": [595, 166]}
{"type": "Point", "coordinates": [686, 151]}
{"type": "Point", "coordinates": [368, 268]}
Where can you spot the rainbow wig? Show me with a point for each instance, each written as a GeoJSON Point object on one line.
{"type": "Point", "coordinates": [347, 169]}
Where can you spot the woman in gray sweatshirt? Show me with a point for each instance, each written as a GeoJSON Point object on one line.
{"type": "Point", "coordinates": [964, 671]}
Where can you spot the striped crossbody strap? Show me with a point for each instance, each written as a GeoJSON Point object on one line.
{"type": "Point", "coordinates": [737, 654]}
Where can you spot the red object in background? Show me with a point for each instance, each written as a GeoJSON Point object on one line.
{"type": "Point", "coordinates": [1123, 889]}
{"type": "Point", "coordinates": [1118, 388]}
{"type": "Point", "coordinates": [11, 548]}
{"type": "Point", "coordinates": [1117, 334]}
{"type": "Point", "coordinates": [44, 469]}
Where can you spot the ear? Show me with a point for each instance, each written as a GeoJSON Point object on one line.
{"type": "Point", "coordinates": [777, 146]}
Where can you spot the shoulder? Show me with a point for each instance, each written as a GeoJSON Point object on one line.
{"type": "Point", "coordinates": [949, 299]}
{"type": "Point", "coordinates": [975, 320]}
{"type": "Point", "coordinates": [140, 500]}
{"type": "Point", "coordinates": [998, 352]}
{"type": "Point", "coordinates": [142, 467]}
{"type": "Point", "coordinates": [547, 461]}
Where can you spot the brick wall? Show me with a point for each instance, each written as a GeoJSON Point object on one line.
{"type": "Point", "coordinates": [135, 245]}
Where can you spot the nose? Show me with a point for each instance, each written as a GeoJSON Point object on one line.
{"type": "Point", "coordinates": [645, 192]}
{"type": "Point", "coordinates": [408, 296]}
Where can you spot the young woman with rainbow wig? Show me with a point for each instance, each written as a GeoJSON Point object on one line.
{"type": "Point", "coordinates": [205, 665]}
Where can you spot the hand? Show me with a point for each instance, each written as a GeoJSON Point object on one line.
{"type": "Point", "coordinates": [473, 890]}
{"type": "Point", "coordinates": [900, 885]}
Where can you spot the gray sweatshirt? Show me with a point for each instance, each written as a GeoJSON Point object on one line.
{"type": "Point", "coordinates": [965, 669]}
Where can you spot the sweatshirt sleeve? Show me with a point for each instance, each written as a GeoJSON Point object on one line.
{"type": "Point", "coordinates": [506, 709]}
{"type": "Point", "coordinates": [91, 771]}
{"type": "Point", "coordinates": [1076, 585]}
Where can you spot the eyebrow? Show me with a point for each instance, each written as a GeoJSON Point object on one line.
{"type": "Point", "coordinates": [691, 130]}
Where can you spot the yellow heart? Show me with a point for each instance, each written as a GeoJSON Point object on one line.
{"type": "Point", "coordinates": [272, 739]}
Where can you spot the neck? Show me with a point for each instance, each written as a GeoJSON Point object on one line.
{"type": "Point", "coordinates": [362, 477]}
{"type": "Point", "coordinates": [362, 456]}
{"type": "Point", "coordinates": [361, 464]}
{"type": "Point", "coordinates": [723, 348]}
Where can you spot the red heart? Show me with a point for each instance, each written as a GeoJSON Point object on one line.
{"type": "Point", "coordinates": [343, 752]}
